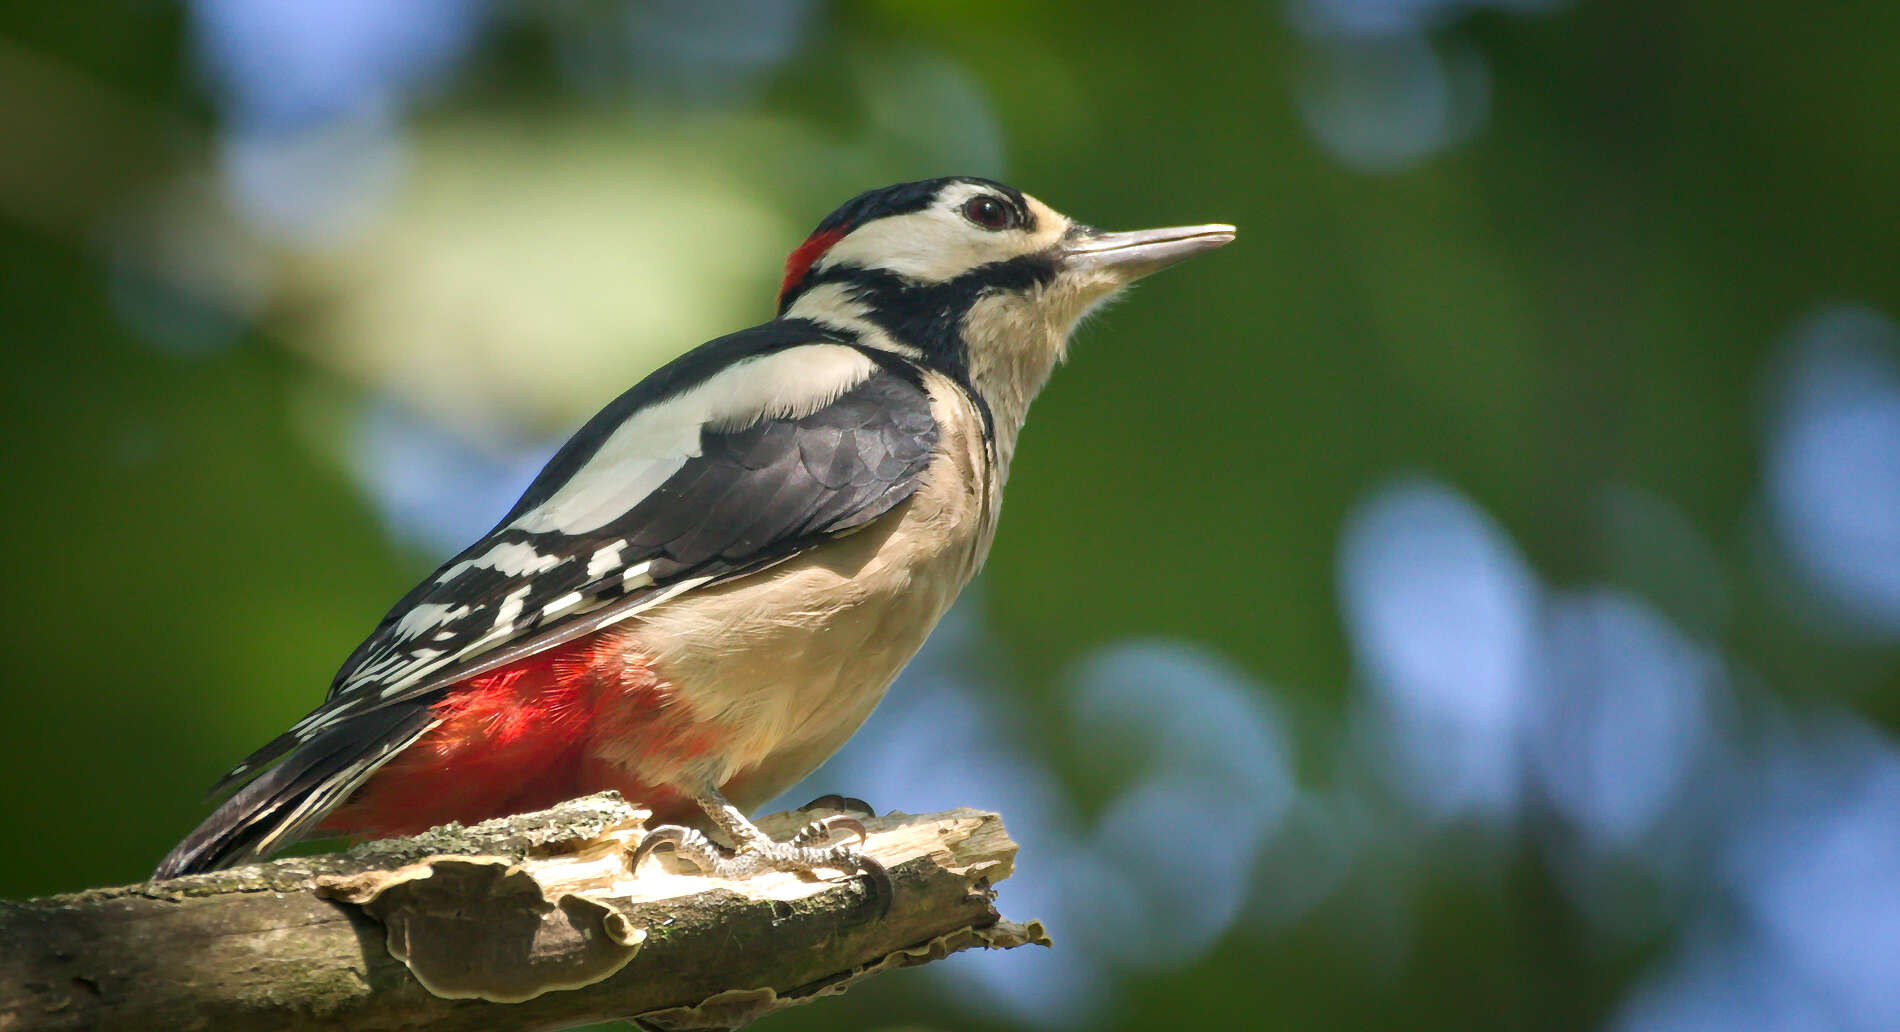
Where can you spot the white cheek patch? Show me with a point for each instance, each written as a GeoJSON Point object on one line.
{"type": "Point", "coordinates": [644, 452]}
{"type": "Point", "coordinates": [930, 246]}
{"type": "Point", "coordinates": [938, 243]}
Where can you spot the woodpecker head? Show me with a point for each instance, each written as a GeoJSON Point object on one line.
{"type": "Point", "coordinates": [971, 277]}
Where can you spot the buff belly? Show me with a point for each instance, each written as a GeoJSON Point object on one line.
{"type": "Point", "coordinates": [775, 671]}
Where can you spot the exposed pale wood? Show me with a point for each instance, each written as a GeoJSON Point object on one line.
{"type": "Point", "coordinates": [539, 908]}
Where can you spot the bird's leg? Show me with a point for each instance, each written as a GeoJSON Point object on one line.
{"type": "Point", "coordinates": [755, 851]}
{"type": "Point", "coordinates": [745, 835]}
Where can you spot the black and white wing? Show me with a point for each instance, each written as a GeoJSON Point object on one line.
{"type": "Point", "coordinates": [694, 476]}
{"type": "Point", "coordinates": [736, 456]}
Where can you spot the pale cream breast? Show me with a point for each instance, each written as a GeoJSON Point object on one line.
{"type": "Point", "coordinates": [787, 663]}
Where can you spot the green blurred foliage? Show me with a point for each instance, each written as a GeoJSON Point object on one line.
{"type": "Point", "coordinates": [1583, 294]}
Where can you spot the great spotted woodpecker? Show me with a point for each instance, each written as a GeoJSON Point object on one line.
{"type": "Point", "coordinates": [709, 587]}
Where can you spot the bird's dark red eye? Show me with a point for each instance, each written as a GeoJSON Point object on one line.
{"type": "Point", "coordinates": [989, 212]}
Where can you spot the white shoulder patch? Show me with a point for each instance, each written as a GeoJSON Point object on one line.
{"type": "Point", "coordinates": [640, 454]}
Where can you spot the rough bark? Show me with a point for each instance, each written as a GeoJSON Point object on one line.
{"type": "Point", "coordinates": [523, 923]}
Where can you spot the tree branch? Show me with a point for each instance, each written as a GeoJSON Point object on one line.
{"type": "Point", "coordinates": [525, 922]}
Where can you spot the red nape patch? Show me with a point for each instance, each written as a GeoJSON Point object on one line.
{"type": "Point", "coordinates": [800, 261]}
{"type": "Point", "coordinates": [512, 740]}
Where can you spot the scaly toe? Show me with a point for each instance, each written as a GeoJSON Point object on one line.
{"type": "Point", "coordinates": [687, 843]}
{"type": "Point", "coordinates": [822, 829]}
{"type": "Point", "coordinates": [798, 855]}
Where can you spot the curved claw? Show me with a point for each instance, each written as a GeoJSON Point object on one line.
{"type": "Point", "coordinates": [834, 801]}
{"type": "Point", "coordinates": [881, 890]}
{"type": "Point", "coordinates": [823, 829]}
{"type": "Point", "coordinates": [666, 835]}
{"type": "Point", "coordinates": [850, 824]}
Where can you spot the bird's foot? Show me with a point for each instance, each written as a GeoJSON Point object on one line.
{"type": "Point", "coordinates": [807, 851]}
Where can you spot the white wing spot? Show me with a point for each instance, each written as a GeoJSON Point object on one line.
{"type": "Point", "coordinates": [605, 559]}
{"type": "Point", "coordinates": [420, 665]}
{"type": "Point", "coordinates": [676, 588]}
{"type": "Point", "coordinates": [427, 615]}
{"type": "Point", "coordinates": [510, 557]}
{"type": "Point", "coordinates": [636, 576]}
{"type": "Point", "coordinates": [561, 605]}
{"type": "Point", "coordinates": [510, 611]}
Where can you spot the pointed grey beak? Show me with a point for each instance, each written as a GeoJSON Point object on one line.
{"type": "Point", "coordinates": [1132, 255]}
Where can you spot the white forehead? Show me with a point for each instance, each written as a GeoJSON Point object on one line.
{"type": "Point", "coordinates": [936, 243]}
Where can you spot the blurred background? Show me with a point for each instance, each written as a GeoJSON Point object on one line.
{"type": "Point", "coordinates": [1471, 601]}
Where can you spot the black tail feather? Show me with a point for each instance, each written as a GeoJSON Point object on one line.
{"type": "Point", "coordinates": [269, 813]}
{"type": "Point", "coordinates": [248, 769]}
